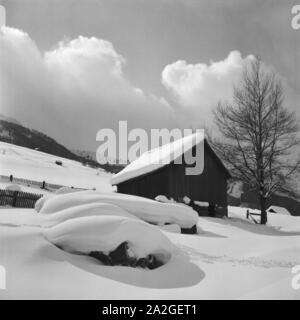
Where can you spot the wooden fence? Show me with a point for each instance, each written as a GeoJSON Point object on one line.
{"type": "Point", "coordinates": [18, 199]}
{"type": "Point", "coordinates": [250, 216]}
{"type": "Point", "coordinates": [28, 182]}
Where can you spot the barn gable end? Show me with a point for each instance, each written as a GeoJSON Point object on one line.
{"type": "Point", "coordinates": [171, 180]}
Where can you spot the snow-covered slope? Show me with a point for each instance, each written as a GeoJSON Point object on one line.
{"type": "Point", "coordinates": [39, 166]}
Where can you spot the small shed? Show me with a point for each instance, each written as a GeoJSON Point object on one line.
{"type": "Point", "coordinates": [278, 210]}
{"type": "Point", "coordinates": [157, 172]}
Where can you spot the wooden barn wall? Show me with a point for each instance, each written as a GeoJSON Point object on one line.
{"type": "Point", "coordinates": [171, 180]}
{"type": "Point", "coordinates": [148, 186]}
{"type": "Point", "coordinates": [210, 186]}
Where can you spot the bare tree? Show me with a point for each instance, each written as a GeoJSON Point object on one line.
{"type": "Point", "coordinates": [259, 135]}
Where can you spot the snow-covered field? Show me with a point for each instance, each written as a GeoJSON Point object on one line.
{"type": "Point", "coordinates": [39, 166]}
{"type": "Point", "coordinates": [45, 253]}
{"type": "Point", "coordinates": [228, 258]}
{"type": "Point", "coordinates": [280, 222]}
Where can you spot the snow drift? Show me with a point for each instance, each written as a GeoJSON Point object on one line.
{"type": "Point", "coordinates": [64, 190]}
{"type": "Point", "coordinates": [145, 209]}
{"type": "Point", "coordinates": [104, 234]}
{"type": "Point", "coordinates": [41, 201]}
{"type": "Point", "coordinates": [85, 210]}
{"type": "Point", "coordinates": [230, 259]}
{"type": "Point", "coordinates": [13, 187]}
{"type": "Point", "coordinates": [112, 227]}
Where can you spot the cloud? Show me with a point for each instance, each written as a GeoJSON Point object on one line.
{"type": "Point", "coordinates": [79, 87]}
{"type": "Point", "coordinates": [73, 90]}
{"type": "Point", "coordinates": [2, 16]}
{"type": "Point", "coordinates": [198, 87]}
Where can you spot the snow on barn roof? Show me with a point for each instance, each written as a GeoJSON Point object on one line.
{"type": "Point", "coordinates": [157, 158]}
{"type": "Point", "coordinates": [280, 210]}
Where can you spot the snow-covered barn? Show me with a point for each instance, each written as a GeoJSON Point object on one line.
{"type": "Point", "coordinates": [157, 172]}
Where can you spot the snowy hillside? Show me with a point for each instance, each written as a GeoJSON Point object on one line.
{"type": "Point", "coordinates": [13, 132]}
{"type": "Point", "coordinates": [39, 166]}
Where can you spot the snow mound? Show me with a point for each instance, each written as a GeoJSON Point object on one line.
{"type": "Point", "coordinates": [186, 200]}
{"type": "Point", "coordinates": [91, 209]}
{"type": "Point", "coordinates": [174, 228]}
{"type": "Point", "coordinates": [164, 199]}
{"type": "Point", "coordinates": [13, 187]}
{"type": "Point", "coordinates": [148, 210]}
{"type": "Point", "coordinates": [64, 190]}
{"type": "Point", "coordinates": [158, 157]}
{"type": "Point", "coordinates": [201, 203]}
{"type": "Point", "coordinates": [106, 233]}
{"type": "Point", "coordinates": [41, 201]}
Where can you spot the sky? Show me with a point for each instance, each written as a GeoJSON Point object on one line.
{"type": "Point", "coordinates": [70, 68]}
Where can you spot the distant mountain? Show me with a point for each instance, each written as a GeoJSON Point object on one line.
{"type": "Point", "coordinates": [91, 156]}
{"type": "Point", "coordinates": [12, 131]}
{"type": "Point", "coordinates": [17, 134]}
{"type": "Point", "coordinates": [85, 154]}
{"type": "Point", "coordinates": [9, 119]}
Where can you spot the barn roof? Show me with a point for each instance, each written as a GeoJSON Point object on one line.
{"type": "Point", "coordinates": [157, 158]}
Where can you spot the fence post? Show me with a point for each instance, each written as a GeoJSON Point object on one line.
{"type": "Point", "coordinates": [15, 196]}
{"type": "Point", "coordinates": [247, 213]}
